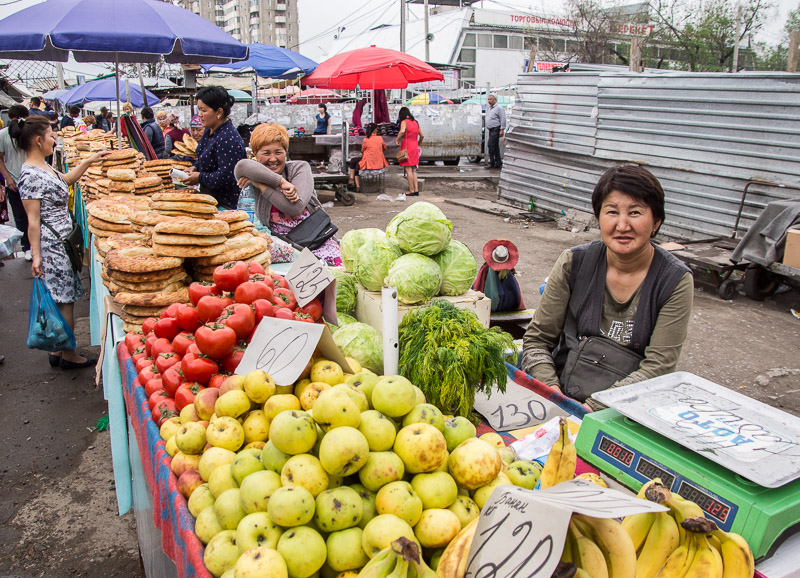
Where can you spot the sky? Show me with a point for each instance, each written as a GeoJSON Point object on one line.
{"type": "Point", "coordinates": [318, 26]}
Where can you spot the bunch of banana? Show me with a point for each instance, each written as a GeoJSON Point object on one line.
{"type": "Point", "coordinates": [401, 560]}
{"type": "Point", "coordinates": [453, 563]}
{"type": "Point", "coordinates": [599, 547]}
{"type": "Point", "coordinates": [561, 461]}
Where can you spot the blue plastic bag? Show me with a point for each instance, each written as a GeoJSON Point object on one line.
{"type": "Point", "coordinates": [47, 328]}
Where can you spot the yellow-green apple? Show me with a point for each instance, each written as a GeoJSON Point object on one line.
{"type": "Point", "coordinates": [394, 396]}
{"type": "Point", "coordinates": [327, 372]}
{"type": "Point", "coordinates": [170, 427]}
{"type": "Point", "coordinates": [311, 393]}
{"type": "Point", "coordinates": [456, 430]}
{"type": "Point", "coordinates": [263, 562]}
{"type": "Point", "coordinates": [400, 499]}
{"type": "Point", "coordinates": [207, 525]}
{"type": "Point", "coordinates": [365, 382]}
{"type": "Point", "coordinates": [272, 458]}
{"type": "Point", "coordinates": [436, 490]}
{"type": "Point", "coordinates": [212, 458]}
{"type": "Point", "coordinates": [259, 386]}
{"type": "Point", "coordinates": [343, 451]}
{"type": "Point", "coordinates": [338, 509]}
{"type": "Point", "coordinates": [232, 404]}
{"type": "Point", "coordinates": [437, 528]}
{"type": "Point", "coordinates": [368, 498]}
{"type": "Point", "coordinates": [474, 463]}
{"type": "Point", "coordinates": [256, 530]}
{"type": "Point", "coordinates": [200, 499]}
{"type": "Point", "coordinates": [358, 396]}
{"type": "Point", "coordinates": [245, 463]}
{"type": "Point", "coordinates": [421, 447]}
{"type": "Point", "coordinates": [382, 530]}
{"type": "Point", "coordinates": [291, 506]}
{"type": "Point", "coordinates": [379, 430]}
{"type": "Point", "coordinates": [225, 432]}
{"type": "Point", "coordinates": [304, 551]}
{"type": "Point", "coordinates": [380, 469]}
{"type": "Point", "coordinates": [293, 432]}
{"type": "Point", "coordinates": [425, 413]}
{"type": "Point", "coordinates": [205, 401]}
{"type": "Point", "coordinates": [345, 551]}
{"type": "Point", "coordinates": [524, 473]}
{"type": "Point", "coordinates": [334, 408]}
{"type": "Point", "coordinates": [191, 438]}
{"type": "Point", "coordinates": [278, 403]}
{"type": "Point", "coordinates": [305, 470]}
{"type": "Point", "coordinates": [233, 382]}
{"type": "Point", "coordinates": [256, 427]}
{"type": "Point", "coordinates": [465, 510]}
{"type": "Point", "coordinates": [228, 509]}
{"type": "Point", "coordinates": [256, 489]}
{"type": "Point", "coordinates": [182, 462]}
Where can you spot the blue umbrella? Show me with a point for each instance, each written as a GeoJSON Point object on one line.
{"type": "Point", "coordinates": [54, 94]}
{"type": "Point", "coordinates": [269, 62]}
{"type": "Point", "coordinates": [106, 89]}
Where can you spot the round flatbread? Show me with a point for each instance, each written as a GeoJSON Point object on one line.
{"type": "Point", "coordinates": [158, 286]}
{"type": "Point", "coordinates": [232, 216]}
{"type": "Point", "coordinates": [121, 187]}
{"type": "Point", "coordinates": [257, 246]}
{"type": "Point", "coordinates": [121, 154]}
{"type": "Point", "coordinates": [189, 141]}
{"type": "Point", "coordinates": [240, 226]}
{"type": "Point", "coordinates": [108, 226]}
{"type": "Point", "coordinates": [126, 164]}
{"type": "Point", "coordinates": [110, 212]}
{"type": "Point", "coordinates": [188, 250]}
{"type": "Point", "coordinates": [148, 218]}
{"type": "Point", "coordinates": [141, 311]}
{"type": "Point", "coordinates": [153, 299]}
{"type": "Point", "coordinates": [264, 258]}
{"type": "Point", "coordinates": [186, 197]}
{"type": "Point", "coordinates": [128, 327]}
{"type": "Point", "coordinates": [143, 182]}
{"type": "Point", "coordinates": [134, 319]}
{"type": "Point", "coordinates": [135, 203]}
{"type": "Point", "coordinates": [187, 215]}
{"type": "Point", "coordinates": [100, 232]}
{"type": "Point", "coordinates": [149, 286]}
{"type": "Point", "coordinates": [200, 240]}
{"type": "Point", "coordinates": [102, 183]}
{"type": "Point", "coordinates": [187, 226]}
{"type": "Point", "coordinates": [101, 244]}
{"type": "Point", "coordinates": [121, 174]}
{"type": "Point", "coordinates": [147, 277]}
{"type": "Point", "coordinates": [139, 260]}
{"type": "Point", "coordinates": [125, 240]}
{"type": "Point", "coordinates": [188, 206]}
{"type": "Point", "coordinates": [158, 163]}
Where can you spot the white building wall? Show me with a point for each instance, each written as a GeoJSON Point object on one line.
{"type": "Point", "coordinates": [498, 67]}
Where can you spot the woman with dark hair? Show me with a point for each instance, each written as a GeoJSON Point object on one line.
{"type": "Point", "coordinates": [45, 194]}
{"type": "Point", "coordinates": [219, 149]}
{"type": "Point", "coordinates": [174, 134]}
{"type": "Point", "coordinates": [323, 120]}
{"type": "Point", "coordinates": [411, 137]}
{"type": "Point", "coordinates": [622, 288]}
{"type": "Point", "coordinates": [372, 161]}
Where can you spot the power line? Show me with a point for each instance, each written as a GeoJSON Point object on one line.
{"type": "Point", "coordinates": [346, 20]}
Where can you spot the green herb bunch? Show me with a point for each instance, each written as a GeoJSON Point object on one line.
{"type": "Point", "coordinates": [449, 355]}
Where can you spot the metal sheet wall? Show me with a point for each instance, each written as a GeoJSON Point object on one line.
{"type": "Point", "coordinates": [703, 135]}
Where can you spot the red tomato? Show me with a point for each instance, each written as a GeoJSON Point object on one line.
{"type": "Point", "coordinates": [284, 298]}
{"type": "Point", "coordinates": [133, 340]}
{"type": "Point", "coordinates": [304, 317]}
{"type": "Point", "coordinates": [156, 396]}
{"type": "Point", "coordinates": [143, 362]}
{"type": "Point", "coordinates": [147, 325]}
{"type": "Point", "coordinates": [239, 317]}
{"type": "Point", "coordinates": [198, 368]}
{"type": "Point", "coordinates": [166, 360]}
{"type": "Point", "coordinates": [187, 317]}
{"type": "Point", "coordinates": [284, 313]}
{"type": "Point", "coordinates": [153, 386]}
{"type": "Point", "coordinates": [167, 328]}
{"type": "Point", "coordinates": [215, 339]}
{"type": "Point", "coordinates": [161, 345]}
{"type": "Point", "coordinates": [185, 394]}
{"type": "Point", "coordinates": [249, 291]}
{"type": "Point", "coordinates": [164, 410]}
{"type": "Point", "coordinates": [148, 373]}
{"type": "Point", "coordinates": [172, 379]}
{"type": "Point", "coordinates": [139, 354]}
{"type": "Point", "coordinates": [230, 275]}
{"type": "Point", "coordinates": [263, 308]}
{"type": "Point", "coordinates": [255, 267]}
{"type": "Point", "coordinates": [231, 362]}
{"type": "Point", "coordinates": [182, 342]}
{"type": "Point", "coordinates": [193, 349]}
{"type": "Point", "coordinates": [312, 308]}
{"type": "Point", "coordinates": [217, 380]}
{"type": "Point", "coordinates": [210, 307]}
{"type": "Point", "coordinates": [279, 281]}
{"type": "Point", "coordinates": [170, 311]}
{"type": "Point", "coordinates": [198, 290]}
{"type": "Point", "coordinates": [148, 343]}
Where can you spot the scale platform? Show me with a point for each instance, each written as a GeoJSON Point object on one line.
{"type": "Point", "coordinates": [737, 458]}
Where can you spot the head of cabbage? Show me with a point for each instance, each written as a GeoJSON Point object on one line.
{"type": "Point", "coordinates": [363, 343]}
{"type": "Point", "coordinates": [345, 290]}
{"type": "Point", "coordinates": [351, 243]}
{"type": "Point", "coordinates": [459, 268]}
{"type": "Point", "coordinates": [422, 228]}
{"type": "Point", "coordinates": [416, 277]}
{"type": "Point", "coordinates": [373, 261]}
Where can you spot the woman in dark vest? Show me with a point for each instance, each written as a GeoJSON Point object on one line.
{"type": "Point", "coordinates": [622, 288]}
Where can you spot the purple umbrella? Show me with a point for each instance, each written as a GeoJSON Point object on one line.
{"type": "Point", "coordinates": [105, 89]}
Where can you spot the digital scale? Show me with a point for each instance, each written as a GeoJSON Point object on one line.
{"type": "Point", "coordinates": [737, 458]}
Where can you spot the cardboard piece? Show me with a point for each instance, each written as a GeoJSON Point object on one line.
{"type": "Point", "coordinates": [791, 253]}
{"type": "Point", "coordinates": [517, 408]}
{"type": "Point", "coordinates": [308, 277]}
{"type": "Point", "coordinates": [510, 542]}
{"type": "Point", "coordinates": [283, 348]}
{"type": "Point", "coordinates": [109, 307]}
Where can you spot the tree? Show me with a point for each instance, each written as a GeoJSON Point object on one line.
{"type": "Point", "coordinates": [776, 57]}
{"type": "Point", "coordinates": [592, 30]}
{"type": "Point", "coordinates": [705, 31]}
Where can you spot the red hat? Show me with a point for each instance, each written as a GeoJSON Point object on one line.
{"type": "Point", "coordinates": [500, 254]}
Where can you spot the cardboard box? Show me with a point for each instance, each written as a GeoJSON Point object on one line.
{"type": "Point", "coordinates": [369, 306]}
{"type": "Point", "coordinates": [791, 254]}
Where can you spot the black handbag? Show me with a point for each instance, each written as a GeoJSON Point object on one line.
{"type": "Point", "coordinates": [312, 232]}
{"type": "Point", "coordinates": [73, 244]}
{"type": "Point", "coordinates": [595, 365]}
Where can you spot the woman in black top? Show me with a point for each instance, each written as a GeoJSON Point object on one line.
{"type": "Point", "coordinates": [219, 150]}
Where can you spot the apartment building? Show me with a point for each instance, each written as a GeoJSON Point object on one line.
{"type": "Point", "coordinates": [272, 22]}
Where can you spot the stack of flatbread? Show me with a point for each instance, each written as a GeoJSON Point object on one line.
{"type": "Point", "coordinates": [144, 222]}
{"type": "Point", "coordinates": [143, 283]}
{"type": "Point", "coordinates": [88, 183]}
{"type": "Point", "coordinates": [160, 168]}
{"type": "Point", "coordinates": [187, 147]}
{"type": "Point", "coordinates": [121, 159]}
{"type": "Point", "coordinates": [147, 183]}
{"type": "Point", "coordinates": [187, 237]}
{"type": "Point", "coordinates": [118, 241]}
{"type": "Point", "coordinates": [242, 247]}
{"type": "Point", "coordinates": [238, 222]}
{"type": "Point", "coordinates": [108, 218]}
{"type": "Point", "coordinates": [121, 181]}
{"type": "Point", "coordinates": [186, 203]}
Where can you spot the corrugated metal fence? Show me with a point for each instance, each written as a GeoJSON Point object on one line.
{"type": "Point", "coordinates": [703, 135]}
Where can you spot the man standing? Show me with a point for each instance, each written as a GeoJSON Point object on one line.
{"type": "Point", "coordinates": [69, 119]}
{"type": "Point", "coordinates": [496, 125]}
{"type": "Point", "coordinates": [153, 132]}
{"type": "Point", "coordinates": [11, 159]}
{"type": "Point", "coordinates": [102, 120]}
{"type": "Point", "coordinates": [36, 108]}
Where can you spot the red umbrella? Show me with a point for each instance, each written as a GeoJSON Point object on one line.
{"type": "Point", "coordinates": [371, 68]}
{"type": "Point", "coordinates": [315, 96]}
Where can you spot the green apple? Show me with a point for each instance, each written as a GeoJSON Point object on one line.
{"type": "Point", "coordinates": [225, 432]}
{"type": "Point", "coordinates": [365, 381]}
{"type": "Point", "coordinates": [291, 506]}
{"type": "Point", "coordinates": [280, 402]}
{"type": "Point", "coordinates": [482, 494]}
{"type": "Point", "coordinates": [338, 509]}
{"type": "Point", "coordinates": [246, 463]}
{"type": "Point", "coordinates": [263, 562]}
{"type": "Point", "coordinates": [345, 551]}
{"type": "Point", "coordinates": [420, 396]}
{"type": "Point", "coordinates": [325, 371]}
{"type": "Point", "coordinates": [437, 527]}
{"type": "Point", "coordinates": [221, 479]}
{"type": "Point", "coordinates": [456, 430]}
{"type": "Point", "coordinates": [221, 552]}
{"type": "Point", "coordinates": [258, 386]}
{"type": "Point", "coordinates": [256, 490]}
{"type": "Point", "coordinates": [343, 451]}
{"type": "Point", "coordinates": [421, 447]}
{"type": "Point", "coordinates": [232, 404]}
{"type": "Point", "coordinates": [465, 509]}
{"type": "Point", "coordinates": [400, 499]}
{"type": "Point", "coordinates": [334, 408]}
{"type": "Point", "coordinates": [380, 469]}
{"type": "Point", "coordinates": [474, 463]}
{"type": "Point", "coordinates": [356, 395]}
{"type": "Point", "coordinates": [394, 396]}
{"type": "Point", "coordinates": [228, 509]}
{"type": "Point", "coordinates": [200, 499]}
{"type": "Point", "coordinates": [191, 438]}
{"type": "Point", "coordinates": [382, 530]}
{"type": "Point", "coordinates": [436, 490]}
{"type": "Point", "coordinates": [425, 413]}
{"type": "Point", "coordinates": [305, 470]}
{"type": "Point", "coordinates": [304, 551]}
{"type": "Point", "coordinates": [272, 458]}
{"type": "Point", "coordinates": [256, 530]}
{"type": "Point", "coordinates": [368, 498]}
{"type": "Point", "coordinates": [524, 473]}
{"type": "Point", "coordinates": [293, 432]}
{"type": "Point", "coordinates": [379, 430]}
{"type": "Point", "coordinates": [256, 427]}
{"type": "Point", "coordinates": [213, 458]}
{"type": "Point", "coordinates": [207, 525]}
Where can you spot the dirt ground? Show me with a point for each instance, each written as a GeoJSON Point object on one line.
{"type": "Point", "coordinates": [58, 512]}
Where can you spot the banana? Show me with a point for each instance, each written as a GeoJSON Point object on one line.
{"type": "Point", "coordinates": [638, 527]}
{"type": "Point", "coordinates": [587, 555]}
{"type": "Point", "coordinates": [453, 563]}
{"type": "Point", "coordinates": [737, 557]}
{"type": "Point", "coordinates": [568, 553]}
{"type": "Point", "coordinates": [400, 569]}
{"type": "Point", "coordinates": [679, 561]}
{"type": "Point", "coordinates": [662, 540]}
{"type": "Point", "coordinates": [381, 565]}
{"type": "Point", "coordinates": [581, 573]}
{"type": "Point", "coordinates": [683, 510]}
{"type": "Point", "coordinates": [614, 542]}
{"type": "Point", "coordinates": [643, 489]}
{"type": "Point", "coordinates": [561, 461]}
{"type": "Point", "coordinates": [409, 552]}
{"type": "Point", "coordinates": [707, 562]}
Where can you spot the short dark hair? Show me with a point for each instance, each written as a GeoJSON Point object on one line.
{"type": "Point", "coordinates": [17, 111]}
{"type": "Point", "coordinates": [74, 110]}
{"type": "Point", "coordinates": [370, 128]}
{"type": "Point", "coordinates": [147, 113]}
{"type": "Point", "coordinates": [404, 114]}
{"type": "Point", "coordinates": [23, 131]}
{"type": "Point", "coordinates": [634, 181]}
{"type": "Point", "coordinates": [36, 101]}
{"type": "Point", "coordinates": [216, 97]}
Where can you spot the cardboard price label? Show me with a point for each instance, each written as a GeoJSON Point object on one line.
{"type": "Point", "coordinates": [517, 408]}
{"type": "Point", "coordinates": [521, 533]}
{"type": "Point", "coordinates": [308, 277]}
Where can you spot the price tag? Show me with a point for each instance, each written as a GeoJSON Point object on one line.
{"type": "Point", "coordinates": [518, 407]}
{"type": "Point", "coordinates": [521, 533]}
{"type": "Point", "coordinates": [308, 277]}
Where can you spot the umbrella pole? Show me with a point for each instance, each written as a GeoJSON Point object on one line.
{"type": "Point", "coordinates": [119, 118]}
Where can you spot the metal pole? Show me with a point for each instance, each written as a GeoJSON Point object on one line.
{"type": "Point", "coordinates": [427, 36]}
{"type": "Point", "coordinates": [391, 350]}
{"type": "Point", "coordinates": [737, 39]}
{"type": "Point", "coordinates": [402, 25]}
{"type": "Point", "coordinates": [60, 73]}
{"type": "Point", "coordinates": [119, 117]}
{"type": "Point", "coordinates": [794, 42]}
{"type": "Point", "coordinates": [141, 84]}
{"type": "Point", "coordinates": [254, 85]}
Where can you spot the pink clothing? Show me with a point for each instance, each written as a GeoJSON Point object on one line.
{"type": "Point", "coordinates": [282, 224]}
{"type": "Point", "coordinates": [410, 143]}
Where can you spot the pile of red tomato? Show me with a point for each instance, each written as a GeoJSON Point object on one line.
{"type": "Point", "coordinates": [194, 346]}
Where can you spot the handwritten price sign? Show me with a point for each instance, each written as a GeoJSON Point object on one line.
{"type": "Point", "coordinates": [308, 277]}
{"type": "Point", "coordinates": [517, 408]}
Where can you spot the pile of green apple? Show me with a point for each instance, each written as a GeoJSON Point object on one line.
{"type": "Point", "coordinates": [317, 478]}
